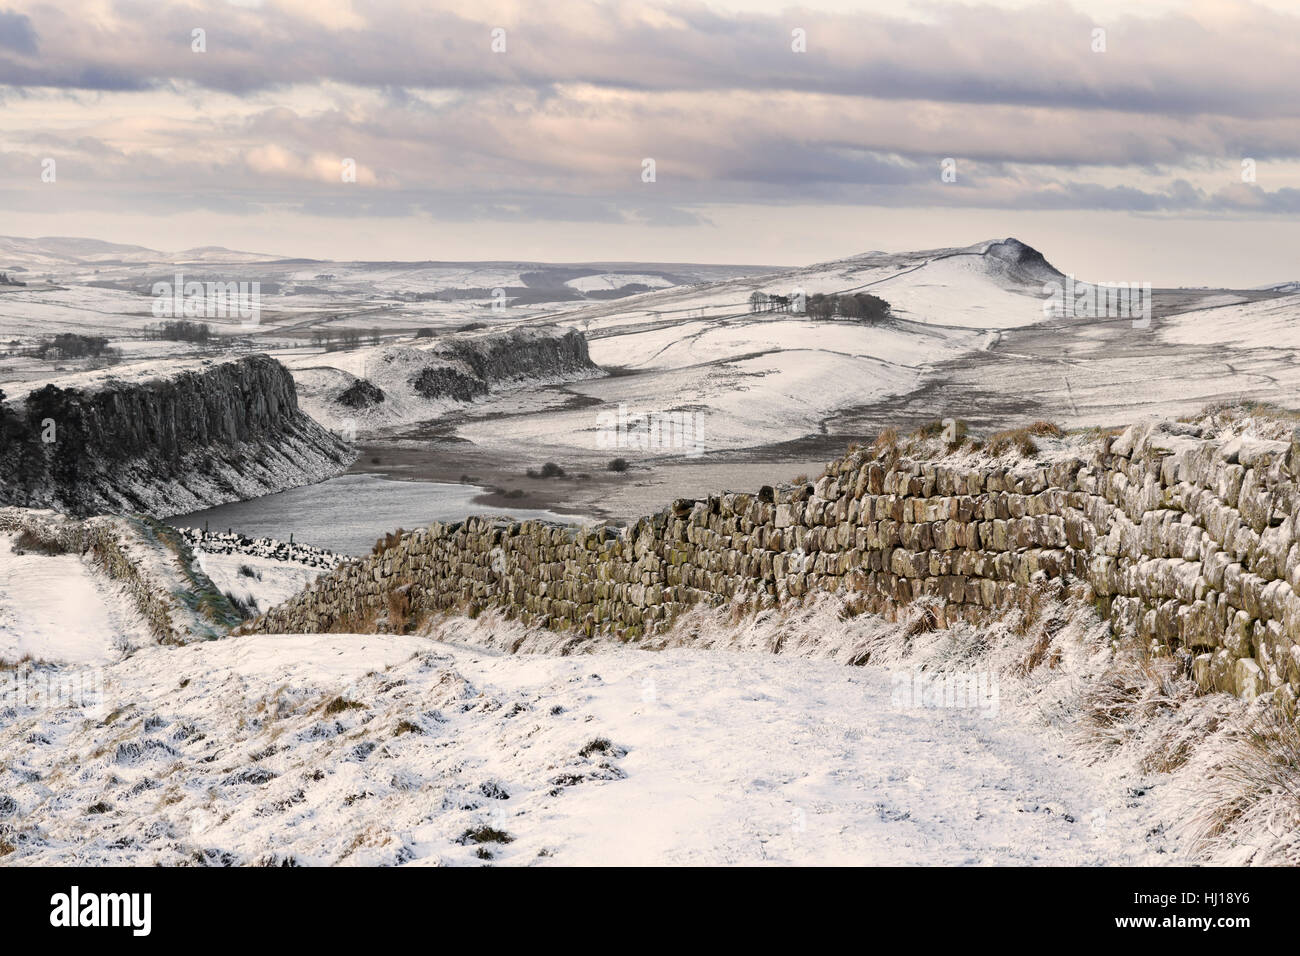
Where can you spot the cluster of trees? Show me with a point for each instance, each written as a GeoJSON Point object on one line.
{"type": "Point", "coordinates": [765, 302]}
{"type": "Point", "coordinates": [861, 306]}
{"type": "Point", "coordinates": [331, 340]}
{"type": "Point", "coordinates": [181, 331]}
{"type": "Point", "coordinates": [6, 279]}
{"type": "Point", "coordinates": [72, 345]}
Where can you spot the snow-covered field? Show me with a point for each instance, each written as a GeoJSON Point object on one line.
{"type": "Point", "coordinates": [1274, 323]}
{"type": "Point", "coordinates": [259, 583]}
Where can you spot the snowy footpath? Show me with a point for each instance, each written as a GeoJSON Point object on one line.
{"type": "Point", "coordinates": [375, 749]}
{"type": "Point", "coordinates": [747, 758]}
{"type": "Point", "coordinates": [56, 608]}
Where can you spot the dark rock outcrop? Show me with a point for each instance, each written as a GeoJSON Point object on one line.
{"type": "Point", "coordinates": [522, 354]}
{"type": "Point", "coordinates": [1020, 263]}
{"type": "Point", "coordinates": [473, 365]}
{"type": "Point", "coordinates": [361, 394]}
{"type": "Point", "coordinates": [449, 381]}
{"type": "Point", "coordinates": [162, 440]}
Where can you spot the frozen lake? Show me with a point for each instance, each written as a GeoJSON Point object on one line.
{"type": "Point", "coordinates": [347, 514]}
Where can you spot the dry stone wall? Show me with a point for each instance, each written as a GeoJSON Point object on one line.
{"type": "Point", "coordinates": [150, 561]}
{"type": "Point", "coordinates": [1191, 544]}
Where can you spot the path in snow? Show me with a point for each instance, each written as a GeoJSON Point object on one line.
{"type": "Point", "coordinates": [744, 758]}
{"type": "Point", "coordinates": [57, 609]}
{"type": "Point", "coordinates": [225, 752]}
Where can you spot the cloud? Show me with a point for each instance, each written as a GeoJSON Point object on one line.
{"type": "Point", "coordinates": [1205, 60]}
{"type": "Point", "coordinates": [17, 33]}
{"type": "Point", "coordinates": [555, 128]}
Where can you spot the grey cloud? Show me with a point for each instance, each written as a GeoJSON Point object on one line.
{"type": "Point", "coordinates": [1171, 64]}
{"type": "Point", "coordinates": [17, 33]}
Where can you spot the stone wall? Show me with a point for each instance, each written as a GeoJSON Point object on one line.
{"type": "Point", "coordinates": [150, 561]}
{"type": "Point", "coordinates": [1191, 544]}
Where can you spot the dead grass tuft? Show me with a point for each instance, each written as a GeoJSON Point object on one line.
{"type": "Point", "coordinates": [924, 621]}
{"type": "Point", "coordinates": [390, 540]}
{"type": "Point", "coordinates": [1259, 781]}
{"type": "Point", "coordinates": [1016, 439]}
{"type": "Point", "coordinates": [340, 704]}
{"type": "Point", "coordinates": [29, 543]}
{"type": "Point", "coordinates": [1117, 705]}
{"type": "Point", "coordinates": [399, 611]}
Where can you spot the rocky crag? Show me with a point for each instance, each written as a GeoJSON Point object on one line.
{"type": "Point", "coordinates": [161, 438]}
{"type": "Point", "coordinates": [402, 384]}
{"type": "Point", "coordinates": [1188, 542]}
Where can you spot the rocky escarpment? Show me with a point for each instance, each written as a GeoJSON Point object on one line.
{"type": "Point", "coordinates": [1019, 263]}
{"type": "Point", "coordinates": [521, 354]}
{"type": "Point", "coordinates": [1189, 543]}
{"type": "Point", "coordinates": [422, 380]}
{"type": "Point", "coordinates": [161, 439]}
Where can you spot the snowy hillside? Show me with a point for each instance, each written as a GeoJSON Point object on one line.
{"type": "Point", "coordinates": [992, 284]}
{"type": "Point", "coordinates": [370, 749]}
{"type": "Point", "coordinates": [369, 388]}
{"type": "Point", "coordinates": [753, 379]}
{"type": "Point", "coordinates": [383, 750]}
{"type": "Point", "coordinates": [1273, 322]}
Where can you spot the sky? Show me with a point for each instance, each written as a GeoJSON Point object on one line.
{"type": "Point", "coordinates": [1154, 141]}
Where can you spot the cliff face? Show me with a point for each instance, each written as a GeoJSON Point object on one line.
{"type": "Point", "coordinates": [162, 439]}
{"type": "Point", "coordinates": [466, 368]}
{"type": "Point", "coordinates": [521, 354]}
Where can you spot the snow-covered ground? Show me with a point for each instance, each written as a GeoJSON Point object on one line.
{"type": "Point", "coordinates": [758, 382]}
{"type": "Point", "coordinates": [54, 607]}
{"type": "Point", "coordinates": [260, 583]}
{"type": "Point", "coordinates": [616, 280]}
{"type": "Point", "coordinates": [394, 369]}
{"type": "Point", "coordinates": [1271, 323]}
{"type": "Point", "coordinates": [799, 736]}
{"type": "Point", "coordinates": [756, 379]}
{"type": "Point", "coordinates": [371, 749]}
